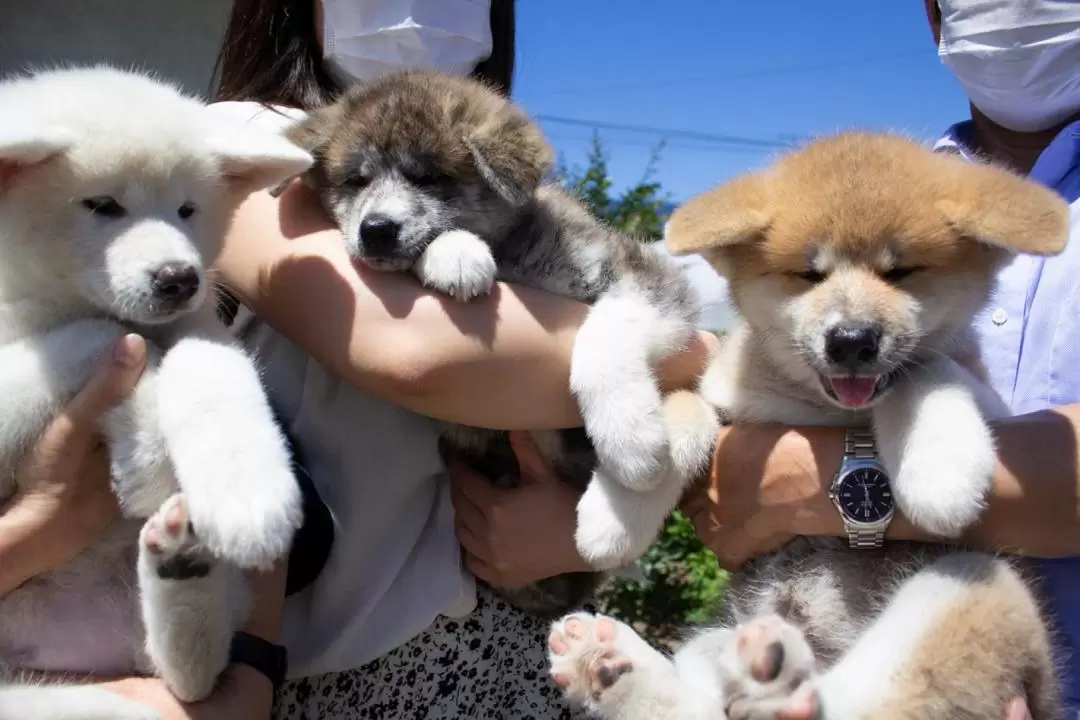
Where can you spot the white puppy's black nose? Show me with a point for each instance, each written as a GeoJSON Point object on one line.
{"type": "Point", "coordinates": [852, 346]}
{"type": "Point", "coordinates": [379, 234]}
{"type": "Point", "coordinates": [176, 282]}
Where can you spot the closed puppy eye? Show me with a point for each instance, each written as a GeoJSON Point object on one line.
{"type": "Point", "coordinates": [811, 276]}
{"type": "Point", "coordinates": [104, 206]}
{"type": "Point", "coordinates": [900, 273]}
{"type": "Point", "coordinates": [356, 180]}
{"type": "Point", "coordinates": [422, 179]}
{"type": "Point", "coordinates": [187, 211]}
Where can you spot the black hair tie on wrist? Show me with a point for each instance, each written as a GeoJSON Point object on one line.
{"type": "Point", "coordinates": [262, 655]}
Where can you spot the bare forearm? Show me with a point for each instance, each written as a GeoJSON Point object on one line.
{"type": "Point", "coordinates": [1034, 508]}
{"type": "Point", "coordinates": [501, 361]}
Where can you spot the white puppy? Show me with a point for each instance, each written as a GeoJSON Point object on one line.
{"type": "Point", "coordinates": [115, 193]}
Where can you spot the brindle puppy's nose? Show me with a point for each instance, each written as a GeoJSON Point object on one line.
{"type": "Point", "coordinates": [852, 346]}
{"type": "Point", "coordinates": [379, 234]}
{"type": "Point", "coordinates": [176, 282]}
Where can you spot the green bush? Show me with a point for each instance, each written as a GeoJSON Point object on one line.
{"type": "Point", "coordinates": [680, 581]}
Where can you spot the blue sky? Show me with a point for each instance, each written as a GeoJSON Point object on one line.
{"type": "Point", "coordinates": [768, 70]}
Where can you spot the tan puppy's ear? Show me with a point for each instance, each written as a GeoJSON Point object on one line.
{"type": "Point", "coordinates": [733, 213]}
{"type": "Point", "coordinates": [996, 207]}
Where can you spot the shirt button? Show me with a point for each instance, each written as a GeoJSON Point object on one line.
{"type": "Point", "coordinates": [1000, 316]}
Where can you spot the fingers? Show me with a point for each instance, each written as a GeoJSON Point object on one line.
{"type": "Point", "coordinates": [469, 485]}
{"type": "Point", "coordinates": [531, 464]}
{"type": "Point", "coordinates": [115, 376]}
{"type": "Point", "coordinates": [1018, 710]}
{"type": "Point", "coordinates": [682, 369]}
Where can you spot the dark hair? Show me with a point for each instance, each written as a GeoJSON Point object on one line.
{"type": "Point", "coordinates": [271, 54]}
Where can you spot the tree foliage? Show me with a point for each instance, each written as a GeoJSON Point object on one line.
{"type": "Point", "coordinates": [679, 582]}
{"type": "Point", "coordinates": [639, 210]}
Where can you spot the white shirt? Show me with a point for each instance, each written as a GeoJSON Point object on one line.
{"type": "Point", "coordinates": [396, 562]}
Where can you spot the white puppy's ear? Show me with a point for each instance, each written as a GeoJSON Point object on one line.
{"type": "Point", "coordinates": [23, 146]}
{"type": "Point", "coordinates": [732, 214]}
{"type": "Point", "coordinates": [256, 158]}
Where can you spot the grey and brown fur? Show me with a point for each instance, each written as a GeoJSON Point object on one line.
{"type": "Point", "coordinates": [443, 177]}
{"type": "Point", "coordinates": [873, 239]}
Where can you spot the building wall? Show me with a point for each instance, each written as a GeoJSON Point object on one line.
{"type": "Point", "coordinates": [176, 38]}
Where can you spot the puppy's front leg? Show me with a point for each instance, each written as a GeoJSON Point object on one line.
{"type": "Point", "coordinates": [459, 264]}
{"type": "Point", "coordinates": [191, 604]}
{"type": "Point", "coordinates": [230, 457]}
{"type": "Point", "coordinates": [937, 447]}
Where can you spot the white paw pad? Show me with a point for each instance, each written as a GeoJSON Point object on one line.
{"type": "Point", "coordinates": [585, 662]}
{"type": "Point", "coordinates": [769, 671]}
{"type": "Point", "coordinates": [169, 544]}
{"type": "Point", "coordinates": [459, 264]}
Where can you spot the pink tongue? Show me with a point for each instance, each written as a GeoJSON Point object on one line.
{"type": "Point", "coordinates": [853, 392]}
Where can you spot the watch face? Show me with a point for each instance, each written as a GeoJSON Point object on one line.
{"type": "Point", "coordinates": [864, 495]}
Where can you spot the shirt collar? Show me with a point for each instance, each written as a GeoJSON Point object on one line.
{"type": "Point", "coordinates": [1056, 163]}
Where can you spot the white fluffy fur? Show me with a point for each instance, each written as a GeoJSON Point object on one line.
{"type": "Point", "coordinates": [689, 686]}
{"type": "Point", "coordinates": [196, 435]}
{"type": "Point", "coordinates": [459, 264]}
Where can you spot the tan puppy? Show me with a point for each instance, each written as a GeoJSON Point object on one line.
{"type": "Point", "coordinates": [857, 265]}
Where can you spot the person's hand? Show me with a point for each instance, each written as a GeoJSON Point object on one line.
{"type": "Point", "coordinates": [682, 370]}
{"type": "Point", "coordinates": [765, 486]}
{"type": "Point", "coordinates": [242, 692]}
{"type": "Point", "coordinates": [63, 481]}
{"type": "Point", "coordinates": [517, 536]}
{"type": "Point", "coordinates": [1018, 710]}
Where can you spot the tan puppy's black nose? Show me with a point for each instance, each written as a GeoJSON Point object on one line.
{"type": "Point", "coordinates": [176, 282]}
{"type": "Point", "coordinates": [852, 346]}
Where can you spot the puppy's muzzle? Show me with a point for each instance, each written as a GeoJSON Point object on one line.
{"type": "Point", "coordinates": [852, 348]}
{"type": "Point", "coordinates": [175, 283]}
{"type": "Point", "coordinates": [379, 236]}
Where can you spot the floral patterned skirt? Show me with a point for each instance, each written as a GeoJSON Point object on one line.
{"type": "Point", "coordinates": [491, 664]}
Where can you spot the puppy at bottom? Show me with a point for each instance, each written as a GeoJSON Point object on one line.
{"type": "Point", "coordinates": [857, 265]}
{"type": "Point", "coordinates": [444, 178]}
{"type": "Point", "coordinates": [115, 194]}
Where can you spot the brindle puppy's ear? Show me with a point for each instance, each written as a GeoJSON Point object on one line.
{"type": "Point", "coordinates": [996, 207]}
{"type": "Point", "coordinates": [732, 214]}
{"type": "Point", "coordinates": [511, 154]}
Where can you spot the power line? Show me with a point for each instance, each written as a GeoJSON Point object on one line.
{"type": "Point", "coordinates": [674, 133]}
{"type": "Point", "coordinates": [676, 146]}
{"type": "Point", "coordinates": [750, 75]}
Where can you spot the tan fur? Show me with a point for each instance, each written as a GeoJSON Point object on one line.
{"type": "Point", "coordinates": [994, 633]}
{"type": "Point", "coordinates": [822, 235]}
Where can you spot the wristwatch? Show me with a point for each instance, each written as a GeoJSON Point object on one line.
{"type": "Point", "coordinates": [861, 491]}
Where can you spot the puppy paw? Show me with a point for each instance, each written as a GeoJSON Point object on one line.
{"type": "Point", "coordinates": [769, 672]}
{"type": "Point", "coordinates": [612, 528]}
{"type": "Point", "coordinates": [168, 546]}
{"type": "Point", "coordinates": [459, 264]}
{"type": "Point", "coordinates": [255, 528]}
{"type": "Point", "coordinates": [940, 480]}
{"type": "Point", "coordinates": [586, 661]}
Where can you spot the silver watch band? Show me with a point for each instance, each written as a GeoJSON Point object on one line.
{"type": "Point", "coordinates": [860, 444]}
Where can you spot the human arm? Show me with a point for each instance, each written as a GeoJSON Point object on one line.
{"type": "Point", "coordinates": [769, 483]}
{"type": "Point", "coordinates": [64, 500]}
{"type": "Point", "coordinates": [501, 361]}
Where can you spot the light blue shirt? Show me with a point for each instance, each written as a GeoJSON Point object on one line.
{"type": "Point", "coordinates": [1030, 340]}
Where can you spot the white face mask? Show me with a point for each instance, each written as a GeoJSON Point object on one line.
{"type": "Point", "coordinates": [363, 39]}
{"type": "Point", "coordinates": [1018, 60]}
